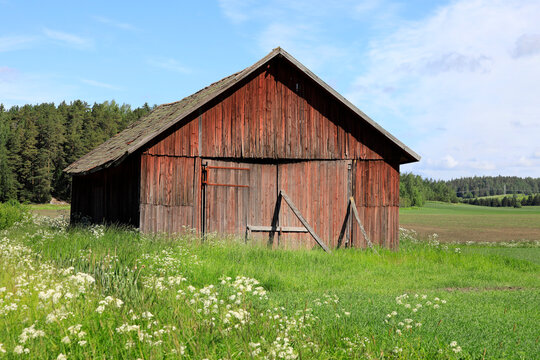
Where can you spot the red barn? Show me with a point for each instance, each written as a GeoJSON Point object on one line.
{"type": "Point", "coordinates": [218, 160]}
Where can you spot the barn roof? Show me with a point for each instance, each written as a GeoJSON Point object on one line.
{"type": "Point", "coordinates": [138, 134]}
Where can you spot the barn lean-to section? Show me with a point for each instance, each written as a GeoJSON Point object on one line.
{"type": "Point", "coordinates": [217, 161]}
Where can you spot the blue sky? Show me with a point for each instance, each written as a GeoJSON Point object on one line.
{"type": "Point", "coordinates": [457, 81]}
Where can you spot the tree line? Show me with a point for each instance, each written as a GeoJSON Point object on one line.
{"type": "Point", "coordinates": [507, 201]}
{"type": "Point", "coordinates": [415, 190]}
{"type": "Point", "coordinates": [478, 186]}
{"type": "Point", "coordinates": [38, 141]}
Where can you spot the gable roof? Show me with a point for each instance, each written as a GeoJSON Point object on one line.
{"type": "Point", "coordinates": [138, 134]}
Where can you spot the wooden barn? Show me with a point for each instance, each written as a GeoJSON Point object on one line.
{"type": "Point", "coordinates": [245, 156]}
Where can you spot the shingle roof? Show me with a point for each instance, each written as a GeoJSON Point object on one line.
{"type": "Point", "coordinates": [114, 150]}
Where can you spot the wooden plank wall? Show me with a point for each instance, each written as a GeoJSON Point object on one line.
{"type": "Point", "coordinates": [376, 192]}
{"type": "Point", "coordinates": [169, 193]}
{"type": "Point", "coordinates": [227, 207]}
{"type": "Point", "coordinates": [319, 189]}
{"type": "Point", "coordinates": [276, 116]}
{"type": "Point", "coordinates": [110, 195]}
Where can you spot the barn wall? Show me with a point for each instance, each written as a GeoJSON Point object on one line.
{"type": "Point", "coordinates": [376, 192]}
{"type": "Point", "coordinates": [169, 194]}
{"type": "Point", "coordinates": [110, 195]}
{"type": "Point", "coordinates": [272, 123]}
{"type": "Point", "coordinates": [171, 198]}
{"type": "Point", "coordinates": [277, 113]}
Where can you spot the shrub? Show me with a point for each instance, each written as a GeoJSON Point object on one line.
{"type": "Point", "coordinates": [11, 212]}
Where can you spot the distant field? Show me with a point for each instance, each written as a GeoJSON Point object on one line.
{"type": "Point", "coordinates": [461, 222]}
{"type": "Point", "coordinates": [519, 196]}
{"type": "Point", "coordinates": [50, 210]}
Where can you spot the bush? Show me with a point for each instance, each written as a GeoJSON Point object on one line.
{"type": "Point", "coordinates": [10, 213]}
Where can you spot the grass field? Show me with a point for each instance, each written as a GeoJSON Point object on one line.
{"type": "Point", "coordinates": [50, 210]}
{"type": "Point", "coordinates": [112, 293]}
{"type": "Point", "coordinates": [519, 196]}
{"type": "Point", "coordinates": [462, 223]}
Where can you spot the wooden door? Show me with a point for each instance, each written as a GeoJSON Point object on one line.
{"type": "Point", "coordinates": [320, 190]}
{"type": "Point", "coordinates": [225, 196]}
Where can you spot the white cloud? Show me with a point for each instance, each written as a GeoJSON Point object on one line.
{"type": "Point", "coordinates": [68, 39]}
{"type": "Point", "coordinates": [169, 64]}
{"type": "Point", "coordinates": [444, 163]}
{"type": "Point", "coordinates": [523, 161]}
{"type": "Point", "coordinates": [115, 23]}
{"type": "Point", "coordinates": [236, 10]}
{"type": "Point", "coordinates": [12, 43]}
{"type": "Point", "coordinates": [18, 88]}
{"type": "Point", "coordinates": [527, 45]}
{"type": "Point", "coordinates": [464, 81]}
{"type": "Point", "coordinates": [99, 84]}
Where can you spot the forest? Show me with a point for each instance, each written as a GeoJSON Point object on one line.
{"type": "Point", "coordinates": [38, 141]}
{"type": "Point", "coordinates": [478, 186]}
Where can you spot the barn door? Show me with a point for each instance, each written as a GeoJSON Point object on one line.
{"type": "Point", "coordinates": [225, 196]}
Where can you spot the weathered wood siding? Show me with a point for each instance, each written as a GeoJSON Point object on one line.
{"type": "Point", "coordinates": [279, 113]}
{"type": "Point", "coordinates": [110, 195]}
{"type": "Point", "coordinates": [290, 135]}
{"type": "Point", "coordinates": [169, 193]}
{"type": "Point", "coordinates": [376, 192]}
{"type": "Point", "coordinates": [320, 190]}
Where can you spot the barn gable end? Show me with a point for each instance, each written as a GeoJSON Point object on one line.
{"type": "Point", "coordinates": [216, 161]}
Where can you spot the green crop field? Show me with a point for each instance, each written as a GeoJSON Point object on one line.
{"type": "Point", "coordinates": [518, 196]}
{"type": "Point", "coordinates": [462, 223]}
{"type": "Point", "coordinates": [98, 292]}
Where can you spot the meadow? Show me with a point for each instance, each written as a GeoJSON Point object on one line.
{"type": "Point", "coordinates": [479, 224]}
{"type": "Point", "coordinates": [107, 292]}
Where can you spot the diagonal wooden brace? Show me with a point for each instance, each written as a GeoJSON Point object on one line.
{"type": "Point", "coordinates": [357, 217]}
{"type": "Point", "coordinates": [303, 221]}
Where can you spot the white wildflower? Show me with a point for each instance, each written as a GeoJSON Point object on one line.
{"type": "Point", "coordinates": [66, 340]}
{"type": "Point", "coordinates": [61, 357]}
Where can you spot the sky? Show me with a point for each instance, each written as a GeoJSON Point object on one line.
{"type": "Point", "coordinates": [456, 81]}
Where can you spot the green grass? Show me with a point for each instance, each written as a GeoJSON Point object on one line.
{"type": "Point", "coordinates": [462, 222]}
{"type": "Point", "coordinates": [49, 207]}
{"type": "Point", "coordinates": [10, 213]}
{"type": "Point", "coordinates": [50, 210]}
{"type": "Point", "coordinates": [491, 295]}
{"type": "Point", "coordinates": [531, 254]}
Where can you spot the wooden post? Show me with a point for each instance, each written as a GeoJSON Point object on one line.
{"type": "Point", "coordinates": [303, 221]}
{"type": "Point", "coordinates": [357, 217]}
{"type": "Point", "coordinates": [275, 221]}
{"type": "Point", "coordinates": [344, 226]}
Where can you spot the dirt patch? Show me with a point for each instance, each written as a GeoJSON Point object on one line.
{"type": "Point", "coordinates": [476, 234]}
{"type": "Point", "coordinates": [52, 213]}
{"type": "Point", "coordinates": [476, 289]}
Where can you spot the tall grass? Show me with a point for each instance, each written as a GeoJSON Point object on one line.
{"type": "Point", "coordinates": [10, 213]}
{"type": "Point", "coordinates": [99, 292]}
